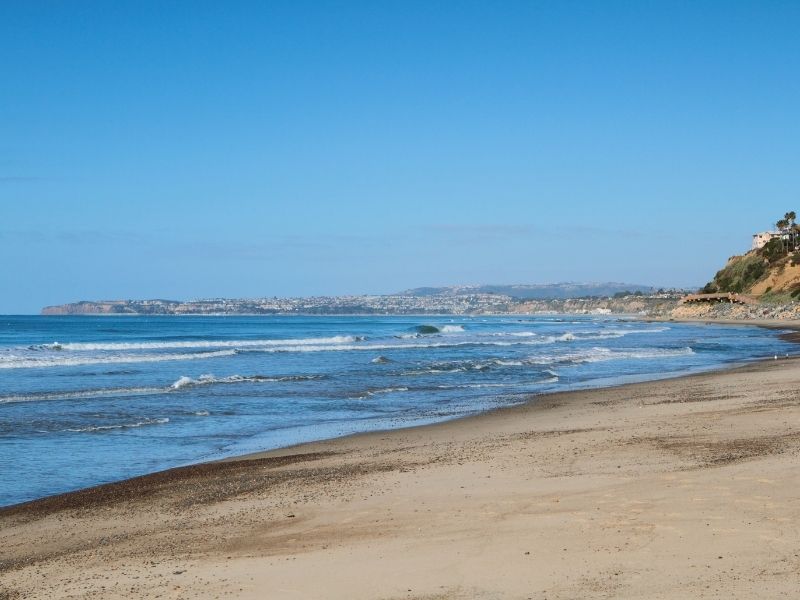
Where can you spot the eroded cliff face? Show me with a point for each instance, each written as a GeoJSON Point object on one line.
{"type": "Point", "coordinates": [113, 307]}
{"type": "Point", "coordinates": [636, 305]}
{"type": "Point", "coordinates": [772, 276]}
{"type": "Point", "coordinates": [784, 278]}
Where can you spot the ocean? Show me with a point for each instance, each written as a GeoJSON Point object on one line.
{"type": "Point", "coordinates": [89, 400]}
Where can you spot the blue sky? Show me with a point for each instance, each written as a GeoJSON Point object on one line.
{"type": "Point", "coordinates": [190, 149]}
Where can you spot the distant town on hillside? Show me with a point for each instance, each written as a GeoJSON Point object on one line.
{"type": "Point", "coordinates": [456, 300]}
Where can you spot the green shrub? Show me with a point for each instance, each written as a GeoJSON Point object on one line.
{"type": "Point", "coordinates": [739, 275]}
{"type": "Point", "coordinates": [773, 250]}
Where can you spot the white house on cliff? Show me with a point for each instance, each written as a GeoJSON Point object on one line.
{"type": "Point", "coordinates": [760, 239]}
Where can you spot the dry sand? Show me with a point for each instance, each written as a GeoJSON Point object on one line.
{"type": "Point", "coordinates": [684, 488]}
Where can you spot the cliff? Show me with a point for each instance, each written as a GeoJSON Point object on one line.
{"type": "Point", "coordinates": [766, 274]}
{"type": "Point", "coordinates": [112, 307]}
{"type": "Point", "coordinates": [89, 308]}
{"type": "Point", "coordinates": [466, 304]}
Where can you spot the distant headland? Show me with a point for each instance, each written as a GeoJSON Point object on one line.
{"type": "Point", "coordinates": [457, 300]}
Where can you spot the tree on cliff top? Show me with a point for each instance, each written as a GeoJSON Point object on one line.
{"type": "Point", "coordinates": [788, 230]}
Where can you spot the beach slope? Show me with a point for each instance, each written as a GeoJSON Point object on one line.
{"type": "Point", "coordinates": [681, 488]}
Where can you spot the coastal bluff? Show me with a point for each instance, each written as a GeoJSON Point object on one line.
{"type": "Point", "coordinates": [465, 302]}
{"type": "Point", "coordinates": [110, 307]}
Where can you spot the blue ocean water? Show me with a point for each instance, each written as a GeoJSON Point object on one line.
{"type": "Point", "coordinates": [87, 400]}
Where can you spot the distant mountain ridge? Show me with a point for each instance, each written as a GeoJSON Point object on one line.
{"type": "Point", "coordinates": [546, 291]}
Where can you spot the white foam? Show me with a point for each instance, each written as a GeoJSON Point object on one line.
{"type": "Point", "coordinates": [12, 361]}
{"type": "Point", "coordinates": [451, 328]}
{"type": "Point", "coordinates": [62, 359]}
{"type": "Point", "coordinates": [387, 390]}
{"type": "Point", "coordinates": [121, 426]}
{"type": "Point", "coordinates": [179, 384]}
{"type": "Point", "coordinates": [474, 386]}
{"type": "Point", "coordinates": [507, 363]}
{"type": "Point", "coordinates": [209, 379]}
{"type": "Point", "coordinates": [570, 336]}
{"type": "Point", "coordinates": [199, 344]}
{"type": "Point", "coordinates": [551, 379]}
{"type": "Point", "coordinates": [187, 381]}
{"type": "Point", "coordinates": [67, 355]}
{"type": "Point", "coordinates": [600, 354]}
{"type": "Point", "coordinates": [618, 333]}
{"type": "Point", "coordinates": [399, 346]}
{"type": "Point", "coordinates": [79, 394]}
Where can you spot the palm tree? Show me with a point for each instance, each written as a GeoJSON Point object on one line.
{"type": "Point", "coordinates": [782, 225]}
{"type": "Point", "coordinates": [790, 217]}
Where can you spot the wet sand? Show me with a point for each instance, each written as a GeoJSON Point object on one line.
{"type": "Point", "coordinates": [682, 488]}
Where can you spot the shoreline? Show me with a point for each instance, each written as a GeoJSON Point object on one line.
{"type": "Point", "coordinates": [765, 323]}
{"type": "Point", "coordinates": [125, 489]}
{"type": "Point", "coordinates": [60, 499]}
{"type": "Point", "coordinates": [791, 336]}
{"type": "Point", "coordinates": [632, 491]}
{"type": "Point", "coordinates": [527, 405]}
{"type": "Point", "coordinates": [663, 489]}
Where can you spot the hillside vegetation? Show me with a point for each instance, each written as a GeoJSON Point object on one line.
{"type": "Point", "coordinates": [739, 275]}
{"type": "Point", "coordinates": [771, 273]}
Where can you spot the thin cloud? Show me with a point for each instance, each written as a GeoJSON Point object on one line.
{"type": "Point", "coordinates": [80, 237]}
{"type": "Point", "coordinates": [509, 231]}
{"type": "Point", "coordinates": [21, 179]}
{"type": "Point", "coordinates": [318, 247]}
{"type": "Point", "coordinates": [484, 230]}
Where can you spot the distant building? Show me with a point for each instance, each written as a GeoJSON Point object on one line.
{"type": "Point", "coordinates": [760, 239]}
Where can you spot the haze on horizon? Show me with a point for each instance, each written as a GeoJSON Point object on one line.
{"type": "Point", "coordinates": [184, 150]}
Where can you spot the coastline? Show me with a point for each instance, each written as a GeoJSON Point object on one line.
{"type": "Point", "coordinates": [597, 471]}
{"type": "Point", "coordinates": [110, 489]}
{"type": "Point", "coordinates": [793, 324]}
{"type": "Point", "coordinates": [129, 488]}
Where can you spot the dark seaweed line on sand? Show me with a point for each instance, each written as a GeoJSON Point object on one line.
{"type": "Point", "coordinates": [146, 485]}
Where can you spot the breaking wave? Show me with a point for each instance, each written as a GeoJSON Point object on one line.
{"type": "Point", "coordinates": [12, 361]}
{"type": "Point", "coordinates": [596, 354]}
{"type": "Point", "coordinates": [571, 336]}
{"type": "Point", "coordinates": [180, 384]}
{"type": "Point", "coordinates": [185, 382]}
{"type": "Point", "coordinates": [196, 344]}
{"type": "Point", "coordinates": [394, 346]}
{"type": "Point", "coordinates": [73, 354]}
{"type": "Point", "coordinates": [88, 428]}
{"type": "Point", "coordinates": [379, 391]}
{"type": "Point", "coordinates": [432, 329]}
{"type": "Point", "coordinates": [80, 394]}
{"type": "Point", "coordinates": [599, 354]}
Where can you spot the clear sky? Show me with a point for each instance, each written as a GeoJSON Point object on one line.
{"type": "Point", "coordinates": [192, 149]}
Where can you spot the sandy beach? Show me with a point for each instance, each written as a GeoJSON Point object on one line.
{"type": "Point", "coordinates": [682, 488]}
